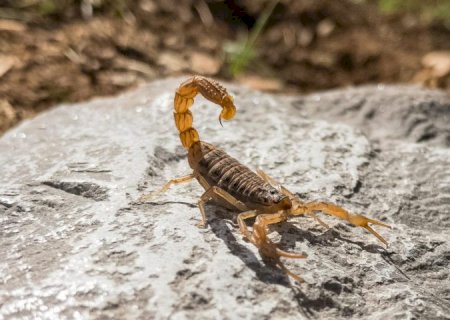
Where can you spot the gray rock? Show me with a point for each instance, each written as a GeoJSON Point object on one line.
{"type": "Point", "coordinates": [76, 245]}
{"type": "Point", "coordinates": [403, 112]}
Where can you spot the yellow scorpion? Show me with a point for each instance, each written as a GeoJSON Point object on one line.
{"type": "Point", "coordinates": [231, 184]}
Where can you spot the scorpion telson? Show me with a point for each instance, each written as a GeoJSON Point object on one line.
{"type": "Point", "coordinates": [230, 183]}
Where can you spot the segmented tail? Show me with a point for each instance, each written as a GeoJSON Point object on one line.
{"type": "Point", "coordinates": [184, 99]}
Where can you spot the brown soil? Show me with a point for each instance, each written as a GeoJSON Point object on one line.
{"type": "Point", "coordinates": [306, 46]}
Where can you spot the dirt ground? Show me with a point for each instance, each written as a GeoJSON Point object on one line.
{"type": "Point", "coordinates": [73, 55]}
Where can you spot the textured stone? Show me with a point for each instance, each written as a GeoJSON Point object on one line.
{"type": "Point", "coordinates": [75, 244]}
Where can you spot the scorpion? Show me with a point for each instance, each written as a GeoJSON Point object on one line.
{"type": "Point", "coordinates": [233, 185]}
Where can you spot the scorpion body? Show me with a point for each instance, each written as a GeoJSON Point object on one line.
{"type": "Point", "coordinates": [219, 169]}
{"type": "Point", "coordinates": [232, 184]}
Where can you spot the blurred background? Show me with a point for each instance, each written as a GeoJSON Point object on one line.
{"type": "Point", "coordinates": [54, 51]}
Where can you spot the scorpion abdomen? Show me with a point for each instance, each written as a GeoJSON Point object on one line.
{"type": "Point", "coordinates": [221, 170]}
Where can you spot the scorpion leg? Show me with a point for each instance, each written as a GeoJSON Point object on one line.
{"type": "Point", "coordinates": [288, 193]}
{"type": "Point", "coordinates": [261, 240]}
{"type": "Point", "coordinates": [333, 210]}
{"type": "Point", "coordinates": [242, 225]}
{"type": "Point", "coordinates": [330, 209]}
{"type": "Point", "coordinates": [166, 186]}
{"type": "Point", "coordinates": [266, 247]}
{"type": "Point", "coordinates": [220, 194]}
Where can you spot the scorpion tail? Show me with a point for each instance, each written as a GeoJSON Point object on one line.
{"type": "Point", "coordinates": [184, 99]}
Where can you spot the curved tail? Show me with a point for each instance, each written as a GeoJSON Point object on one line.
{"type": "Point", "coordinates": [184, 99]}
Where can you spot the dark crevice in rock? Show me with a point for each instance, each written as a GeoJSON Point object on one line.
{"type": "Point", "coordinates": [357, 106]}
{"type": "Point", "coordinates": [6, 204]}
{"type": "Point", "coordinates": [167, 157]}
{"type": "Point", "coordinates": [164, 203]}
{"type": "Point", "coordinates": [427, 135]}
{"type": "Point", "coordinates": [355, 190]}
{"type": "Point", "coordinates": [357, 187]}
{"type": "Point", "coordinates": [323, 301]}
{"type": "Point", "coordinates": [87, 190]}
{"type": "Point", "coordinates": [162, 158]}
{"type": "Point", "coordinates": [332, 285]}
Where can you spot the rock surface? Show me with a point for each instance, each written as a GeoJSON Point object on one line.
{"type": "Point", "coordinates": [74, 244]}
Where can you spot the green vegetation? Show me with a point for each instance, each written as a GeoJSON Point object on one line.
{"type": "Point", "coordinates": [29, 9]}
{"type": "Point", "coordinates": [428, 10]}
{"type": "Point", "coordinates": [241, 52]}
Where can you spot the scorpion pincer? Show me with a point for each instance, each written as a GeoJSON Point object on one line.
{"type": "Point", "coordinates": [230, 183]}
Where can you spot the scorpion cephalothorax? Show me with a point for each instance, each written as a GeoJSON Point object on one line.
{"type": "Point", "coordinates": [226, 180]}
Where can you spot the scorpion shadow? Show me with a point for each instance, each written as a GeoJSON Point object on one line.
{"type": "Point", "coordinates": [291, 233]}
{"type": "Point", "coordinates": [219, 220]}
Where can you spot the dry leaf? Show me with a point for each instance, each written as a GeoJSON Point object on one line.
{"type": "Point", "coordinates": [205, 64]}
{"type": "Point", "coordinates": [11, 25]}
{"type": "Point", "coordinates": [325, 27]}
{"type": "Point", "coordinates": [7, 115]}
{"type": "Point", "coordinates": [438, 62]}
{"type": "Point", "coordinates": [6, 63]}
{"type": "Point", "coordinates": [172, 61]}
{"type": "Point", "coordinates": [259, 83]}
{"type": "Point", "coordinates": [134, 65]}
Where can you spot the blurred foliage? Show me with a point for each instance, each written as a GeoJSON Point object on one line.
{"type": "Point", "coordinates": [61, 9]}
{"type": "Point", "coordinates": [72, 50]}
{"type": "Point", "coordinates": [428, 10]}
{"type": "Point", "coordinates": [241, 52]}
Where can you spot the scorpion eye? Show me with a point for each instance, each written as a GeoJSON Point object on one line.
{"type": "Point", "coordinates": [272, 192]}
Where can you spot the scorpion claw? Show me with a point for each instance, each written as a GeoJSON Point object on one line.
{"type": "Point", "coordinates": [270, 250]}
{"type": "Point", "coordinates": [378, 223]}
{"type": "Point", "coordinates": [291, 255]}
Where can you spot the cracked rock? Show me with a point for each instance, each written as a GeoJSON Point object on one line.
{"type": "Point", "coordinates": [76, 243]}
